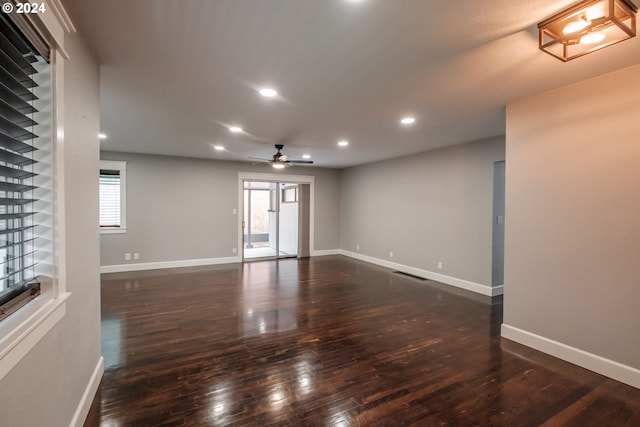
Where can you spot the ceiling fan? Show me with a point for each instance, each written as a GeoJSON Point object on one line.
{"type": "Point", "coordinates": [280, 161]}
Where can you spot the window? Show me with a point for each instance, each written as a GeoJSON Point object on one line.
{"type": "Point", "coordinates": [31, 70]}
{"type": "Point", "coordinates": [24, 188]}
{"type": "Point", "coordinates": [290, 194]}
{"type": "Point", "coordinates": [112, 197]}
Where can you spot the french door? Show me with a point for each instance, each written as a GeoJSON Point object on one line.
{"type": "Point", "coordinates": [270, 220]}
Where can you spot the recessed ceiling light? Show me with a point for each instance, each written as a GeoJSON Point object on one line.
{"type": "Point", "coordinates": [408, 120]}
{"type": "Point", "coordinates": [235, 129]}
{"type": "Point", "coordinates": [306, 156]}
{"type": "Point", "coordinates": [218, 147]}
{"type": "Point", "coordinates": [343, 143]}
{"type": "Point", "coordinates": [102, 136]}
{"type": "Point", "coordinates": [268, 92]}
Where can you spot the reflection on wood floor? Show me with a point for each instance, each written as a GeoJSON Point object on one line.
{"type": "Point", "coordinates": [328, 341]}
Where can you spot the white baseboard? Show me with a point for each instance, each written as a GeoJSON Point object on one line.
{"type": "Point", "coordinates": [87, 397]}
{"type": "Point", "coordinates": [325, 252]}
{"type": "Point", "coordinates": [593, 362]}
{"type": "Point", "coordinates": [121, 268]}
{"type": "Point", "coordinates": [453, 281]}
{"type": "Point", "coordinates": [167, 264]}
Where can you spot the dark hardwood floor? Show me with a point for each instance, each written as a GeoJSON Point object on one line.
{"type": "Point", "coordinates": [328, 341]}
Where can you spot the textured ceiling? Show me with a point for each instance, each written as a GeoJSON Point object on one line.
{"type": "Point", "coordinates": [175, 74]}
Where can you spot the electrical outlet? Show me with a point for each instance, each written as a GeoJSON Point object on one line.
{"type": "Point", "coordinates": [127, 256]}
{"type": "Point", "coordinates": [234, 250]}
{"type": "Point", "coordinates": [358, 247]}
{"type": "Point", "coordinates": [391, 254]}
{"type": "Point", "coordinates": [439, 265]}
{"type": "Point", "coordinates": [136, 255]}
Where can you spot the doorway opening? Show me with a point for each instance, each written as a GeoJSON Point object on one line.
{"type": "Point", "coordinates": [270, 225]}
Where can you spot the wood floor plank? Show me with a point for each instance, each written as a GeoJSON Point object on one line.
{"type": "Point", "coordinates": [328, 341]}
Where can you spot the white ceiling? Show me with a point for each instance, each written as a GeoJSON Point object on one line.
{"type": "Point", "coordinates": [174, 74]}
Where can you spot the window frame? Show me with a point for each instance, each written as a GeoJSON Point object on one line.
{"type": "Point", "coordinates": [121, 168]}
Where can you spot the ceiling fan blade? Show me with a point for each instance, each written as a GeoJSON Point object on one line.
{"type": "Point", "coordinates": [301, 162]}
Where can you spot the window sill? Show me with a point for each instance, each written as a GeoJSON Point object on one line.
{"type": "Point", "coordinates": [21, 331]}
{"type": "Point", "coordinates": [113, 231]}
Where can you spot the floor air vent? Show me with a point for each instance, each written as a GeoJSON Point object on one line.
{"type": "Point", "coordinates": [413, 276]}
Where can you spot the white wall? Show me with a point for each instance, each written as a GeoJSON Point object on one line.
{"type": "Point", "coordinates": [288, 227]}
{"type": "Point", "coordinates": [572, 223]}
{"type": "Point", "coordinates": [427, 208]}
{"type": "Point", "coordinates": [47, 385]}
{"type": "Point", "coordinates": [182, 208]}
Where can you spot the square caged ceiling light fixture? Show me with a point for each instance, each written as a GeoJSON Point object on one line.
{"type": "Point", "coordinates": [586, 27]}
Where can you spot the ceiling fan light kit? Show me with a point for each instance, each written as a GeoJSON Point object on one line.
{"type": "Point", "coordinates": [281, 161]}
{"type": "Point", "coordinates": [587, 26]}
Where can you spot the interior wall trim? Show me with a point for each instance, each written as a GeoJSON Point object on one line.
{"type": "Point", "coordinates": [453, 281]}
{"type": "Point", "coordinates": [121, 268]}
{"type": "Point", "coordinates": [90, 391]}
{"type": "Point", "coordinates": [607, 367]}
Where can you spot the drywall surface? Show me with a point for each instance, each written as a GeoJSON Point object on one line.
{"type": "Point", "coordinates": [427, 208]}
{"type": "Point", "coordinates": [288, 227]}
{"type": "Point", "coordinates": [182, 208]}
{"type": "Point", "coordinates": [47, 385]}
{"type": "Point", "coordinates": [572, 209]}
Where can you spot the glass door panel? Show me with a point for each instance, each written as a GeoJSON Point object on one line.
{"type": "Point", "coordinates": [259, 228]}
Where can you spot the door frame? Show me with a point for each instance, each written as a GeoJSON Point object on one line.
{"type": "Point", "coordinates": [277, 178]}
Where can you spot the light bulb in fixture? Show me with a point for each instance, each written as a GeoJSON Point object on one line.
{"type": "Point", "coordinates": [343, 143]}
{"type": "Point", "coordinates": [408, 120]}
{"type": "Point", "coordinates": [278, 165]}
{"type": "Point", "coordinates": [218, 147]}
{"type": "Point", "coordinates": [235, 129]}
{"type": "Point", "coordinates": [102, 136]}
{"type": "Point", "coordinates": [306, 156]}
{"type": "Point", "coordinates": [575, 26]}
{"type": "Point", "coordinates": [268, 92]}
{"type": "Point", "coordinates": [593, 38]}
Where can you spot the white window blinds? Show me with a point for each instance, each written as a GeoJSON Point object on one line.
{"type": "Point", "coordinates": [19, 62]}
{"type": "Point", "coordinates": [110, 197]}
